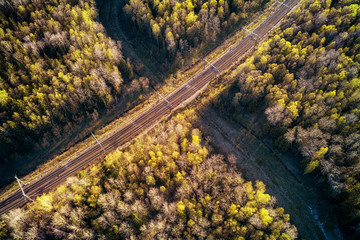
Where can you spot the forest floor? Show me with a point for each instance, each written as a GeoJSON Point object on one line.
{"type": "Point", "coordinates": [257, 159]}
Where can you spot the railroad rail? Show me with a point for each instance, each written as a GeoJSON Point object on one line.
{"type": "Point", "coordinates": [148, 117]}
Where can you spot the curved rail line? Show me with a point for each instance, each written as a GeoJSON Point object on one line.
{"type": "Point", "coordinates": [147, 117]}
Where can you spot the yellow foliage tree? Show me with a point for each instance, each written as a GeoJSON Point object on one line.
{"type": "Point", "coordinates": [44, 203]}
{"type": "Point", "coordinates": [311, 166]}
{"type": "Point", "coordinates": [264, 216]}
{"type": "Point", "coordinates": [262, 197]}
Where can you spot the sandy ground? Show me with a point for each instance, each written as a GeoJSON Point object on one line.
{"type": "Point", "coordinates": [284, 179]}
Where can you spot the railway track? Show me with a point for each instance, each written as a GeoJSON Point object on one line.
{"type": "Point", "coordinates": [147, 117]}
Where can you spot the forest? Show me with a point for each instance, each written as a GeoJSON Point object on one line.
{"type": "Point", "coordinates": [57, 68]}
{"type": "Point", "coordinates": [166, 185]}
{"type": "Point", "coordinates": [177, 29]}
{"type": "Point", "coordinates": [305, 79]}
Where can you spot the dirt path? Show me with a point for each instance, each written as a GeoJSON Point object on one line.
{"type": "Point", "coordinates": [281, 174]}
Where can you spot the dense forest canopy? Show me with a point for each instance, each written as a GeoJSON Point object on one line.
{"type": "Point", "coordinates": [165, 185]}
{"type": "Point", "coordinates": [306, 80]}
{"type": "Point", "coordinates": [56, 67]}
{"type": "Point", "coordinates": [179, 26]}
